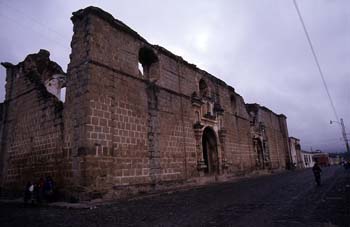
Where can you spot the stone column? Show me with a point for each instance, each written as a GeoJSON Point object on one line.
{"type": "Point", "coordinates": [198, 132]}
{"type": "Point", "coordinates": [153, 132]}
{"type": "Point", "coordinates": [222, 138]}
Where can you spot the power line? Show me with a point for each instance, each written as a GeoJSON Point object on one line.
{"type": "Point", "coordinates": [323, 143]}
{"type": "Point", "coordinates": [333, 139]}
{"type": "Point", "coordinates": [22, 13]}
{"type": "Point", "coordinates": [46, 32]}
{"type": "Point", "coordinates": [43, 36]}
{"type": "Point", "coordinates": [316, 59]}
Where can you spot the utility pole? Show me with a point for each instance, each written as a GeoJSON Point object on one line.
{"type": "Point", "coordinates": [343, 133]}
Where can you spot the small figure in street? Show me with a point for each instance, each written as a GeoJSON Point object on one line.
{"type": "Point", "coordinates": [347, 165]}
{"type": "Point", "coordinates": [316, 169]}
{"type": "Point", "coordinates": [39, 190]}
{"type": "Point", "coordinates": [49, 189]}
{"type": "Point", "coordinates": [28, 193]}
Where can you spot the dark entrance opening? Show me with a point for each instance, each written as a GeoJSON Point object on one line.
{"type": "Point", "coordinates": [147, 58]}
{"type": "Point", "coordinates": [210, 152]}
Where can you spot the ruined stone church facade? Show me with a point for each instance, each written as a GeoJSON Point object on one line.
{"type": "Point", "coordinates": [123, 126]}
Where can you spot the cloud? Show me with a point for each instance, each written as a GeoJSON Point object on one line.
{"type": "Point", "coordinates": [256, 46]}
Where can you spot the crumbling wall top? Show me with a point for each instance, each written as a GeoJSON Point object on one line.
{"type": "Point", "coordinates": [123, 27]}
{"type": "Point", "coordinates": [39, 62]}
{"type": "Point", "coordinates": [254, 107]}
{"type": "Point", "coordinates": [91, 10]}
{"type": "Point", "coordinates": [40, 70]}
{"type": "Point", "coordinates": [107, 17]}
{"type": "Point", "coordinates": [7, 65]}
{"type": "Point", "coordinates": [293, 138]}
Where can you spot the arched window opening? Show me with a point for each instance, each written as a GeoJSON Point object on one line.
{"type": "Point", "coordinates": [63, 94]}
{"type": "Point", "coordinates": [197, 116]}
{"type": "Point", "coordinates": [233, 104]}
{"type": "Point", "coordinates": [146, 58]}
{"type": "Point", "coordinates": [221, 123]}
{"type": "Point", "coordinates": [204, 109]}
{"type": "Point", "coordinates": [140, 67]}
{"type": "Point", "coordinates": [56, 86]}
{"type": "Point", "coordinates": [203, 88]}
{"type": "Point", "coordinates": [209, 112]}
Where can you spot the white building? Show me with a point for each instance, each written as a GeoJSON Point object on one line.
{"type": "Point", "coordinates": [295, 152]}
{"type": "Point", "coordinates": [307, 159]}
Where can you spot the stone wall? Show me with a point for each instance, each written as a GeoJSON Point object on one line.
{"type": "Point", "coordinates": [295, 153]}
{"type": "Point", "coordinates": [147, 127]}
{"type": "Point", "coordinates": [32, 123]}
{"type": "Point", "coordinates": [124, 126]}
{"type": "Point", "coordinates": [271, 131]}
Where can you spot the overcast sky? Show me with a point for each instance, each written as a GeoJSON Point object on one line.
{"type": "Point", "coordinates": [256, 46]}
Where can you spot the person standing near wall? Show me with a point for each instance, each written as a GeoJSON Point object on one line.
{"type": "Point", "coordinates": [28, 192]}
{"type": "Point", "coordinates": [49, 189]}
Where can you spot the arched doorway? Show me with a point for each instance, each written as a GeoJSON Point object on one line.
{"type": "Point", "coordinates": [210, 151]}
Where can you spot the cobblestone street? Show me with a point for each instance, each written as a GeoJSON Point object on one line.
{"type": "Point", "coordinates": [285, 199]}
